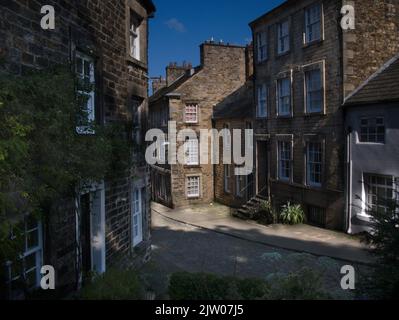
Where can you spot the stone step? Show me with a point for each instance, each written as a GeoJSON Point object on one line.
{"type": "Point", "coordinates": [241, 214]}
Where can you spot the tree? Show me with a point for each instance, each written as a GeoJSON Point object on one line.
{"type": "Point", "coordinates": [385, 243]}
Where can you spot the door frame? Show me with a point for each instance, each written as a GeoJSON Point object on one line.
{"type": "Point", "coordinates": [92, 189]}
{"type": "Point", "coordinates": [266, 144]}
{"type": "Point", "coordinates": [137, 240]}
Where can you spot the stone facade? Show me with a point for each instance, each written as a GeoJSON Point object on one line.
{"type": "Point", "coordinates": [222, 71]}
{"type": "Point", "coordinates": [99, 30]}
{"type": "Point", "coordinates": [346, 58]}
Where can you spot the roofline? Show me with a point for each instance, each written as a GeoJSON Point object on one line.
{"type": "Point", "coordinates": [372, 77]}
{"type": "Point", "coordinates": [150, 6]}
{"type": "Point", "coordinates": [368, 103]}
{"type": "Point", "coordinates": [287, 2]}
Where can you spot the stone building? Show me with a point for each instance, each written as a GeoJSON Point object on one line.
{"type": "Point", "coordinates": [189, 99]}
{"type": "Point", "coordinates": [235, 112]}
{"type": "Point", "coordinates": [106, 41]}
{"type": "Point", "coordinates": [305, 65]}
{"type": "Point", "coordinates": [372, 157]}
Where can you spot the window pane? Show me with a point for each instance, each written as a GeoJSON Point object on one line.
{"type": "Point", "coordinates": [79, 66]}
{"type": "Point", "coordinates": [32, 239]}
{"type": "Point", "coordinates": [314, 92]}
{"type": "Point", "coordinates": [314, 163]}
{"type": "Point", "coordinates": [31, 223]}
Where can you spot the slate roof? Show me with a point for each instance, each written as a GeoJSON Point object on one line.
{"type": "Point", "coordinates": [383, 86]}
{"type": "Point", "coordinates": [175, 85]}
{"type": "Point", "coordinates": [239, 104]}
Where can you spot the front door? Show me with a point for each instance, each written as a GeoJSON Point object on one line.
{"type": "Point", "coordinates": [98, 231]}
{"type": "Point", "coordinates": [137, 217]}
{"type": "Point", "coordinates": [262, 167]}
{"type": "Point", "coordinates": [92, 232]}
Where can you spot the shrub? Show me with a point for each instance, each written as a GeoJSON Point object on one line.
{"type": "Point", "coordinates": [114, 285]}
{"type": "Point", "coordinates": [292, 214]}
{"type": "Point", "coordinates": [385, 243]}
{"type": "Point", "coordinates": [201, 286]}
{"type": "Point", "coordinates": [303, 285]}
{"type": "Point", "coordinates": [265, 213]}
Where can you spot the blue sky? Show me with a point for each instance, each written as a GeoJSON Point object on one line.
{"type": "Point", "coordinates": [180, 26]}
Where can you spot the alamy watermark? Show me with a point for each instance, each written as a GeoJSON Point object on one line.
{"type": "Point", "coordinates": [186, 148]}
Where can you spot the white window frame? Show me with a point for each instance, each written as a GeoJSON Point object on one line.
{"type": "Point", "coordinates": [196, 179]}
{"type": "Point", "coordinates": [283, 39]}
{"type": "Point", "coordinates": [312, 164]}
{"type": "Point", "coordinates": [261, 46]}
{"type": "Point", "coordinates": [191, 152]}
{"type": "Point", "coordinates": [280, 97]}
{"type": "Point", "coordinates": [366, 185]}
{"type": "Point", "coordinates": [90, 106]}
{"type": "Point", "coordinates": [309, 91]}
{"type": "Point", "coordinates": [240, 185]}
{"type": "Point", "coordinates": [281, 143]}
{"type": "Point", "coordinates": [262, 98]}
{"type": "Point", "coordinates": [310, 24]}
{"type": "Point", "coordinates": [134, 37]}
{"type": "Point", "coordinates": [37, 251]}
{"type": "Point", "coordinates": [376, 126]}
{"type": "Point", "coordinates": [188, 112]}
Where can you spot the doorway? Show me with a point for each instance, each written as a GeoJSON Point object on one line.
{"type": "Point", "coordinates": [137, 217]}
{"type": "Point", "coordinates": [92, 231]}
{"type": "Point", "coordinates": [262, 165]}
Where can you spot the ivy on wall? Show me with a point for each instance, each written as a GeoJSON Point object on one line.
{"type": "Point", "coordinates": [42, 158]}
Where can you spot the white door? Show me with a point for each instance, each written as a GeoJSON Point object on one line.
{"type": "Point", "coordinates": [98, 231]}
{"type": "Point", "coordinates": [137, 218]}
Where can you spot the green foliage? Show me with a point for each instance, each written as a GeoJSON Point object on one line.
{"type": "Point", "coordinates": [292, 214]}
{"type": "Point", "coordinates": [42, 158]}
{"type": "Point", "coordinates": [384, 240]}
{"type": "Point", "coordinates": [303, 285]}
{"type": "Point", "coordinates": [114, 285]}
{"type": "Point", "coordinates": [265, 213]}
{"type": "Point", "coordinates": [201, 286]}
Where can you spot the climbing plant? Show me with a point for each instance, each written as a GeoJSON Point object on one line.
{"type": "Point", "coordinates": [42, 157]}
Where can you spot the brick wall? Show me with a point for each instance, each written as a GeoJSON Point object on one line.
{"type": "Point", "coordinates": [228, 198]}
{"type": "Point", "coordinates": [374, 41]}
{"type": "Point", "coordinates": [349, 58]}
{"type": "Point", "coordinates": [100, 29]}
{"type": "Point", "coordinates": [222, 72]}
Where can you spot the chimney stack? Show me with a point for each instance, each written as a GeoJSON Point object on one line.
{"type": "Point", "coordinates": [158, 84]}
{"type": "Point", "coordinates": [175, 71]}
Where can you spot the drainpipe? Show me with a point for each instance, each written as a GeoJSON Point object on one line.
{"type": "Point", "coordinates": [348, 193]}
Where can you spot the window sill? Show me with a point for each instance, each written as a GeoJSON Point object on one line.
{"type": "Point", "coordinates": [283, 54]}
{"type": "Point", "coordinates": [371, 143]}
{"type": "Point", "coordinates": [194, 198]}
{"type": "Point", "coordinates": [259, 63]}
{"type": "Point", "coordinates": [136, 62]}
{"type": "Point", "coordinates": [85, 131]}
{"type": "Point", "coordinates": [364, 217]}
{"type": "Point", "coordinates": [285, 116]}
{"type": "Point", "coordinates": [192, 166]}
{"type": "Point", "coordinates": [314, 187]}
{"type": "Point", "coordinates": [314, 114]}
{"type": "Point", "coordinates": [285, 181]}
{"type": "Point", "coordinates": [312, 43]}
